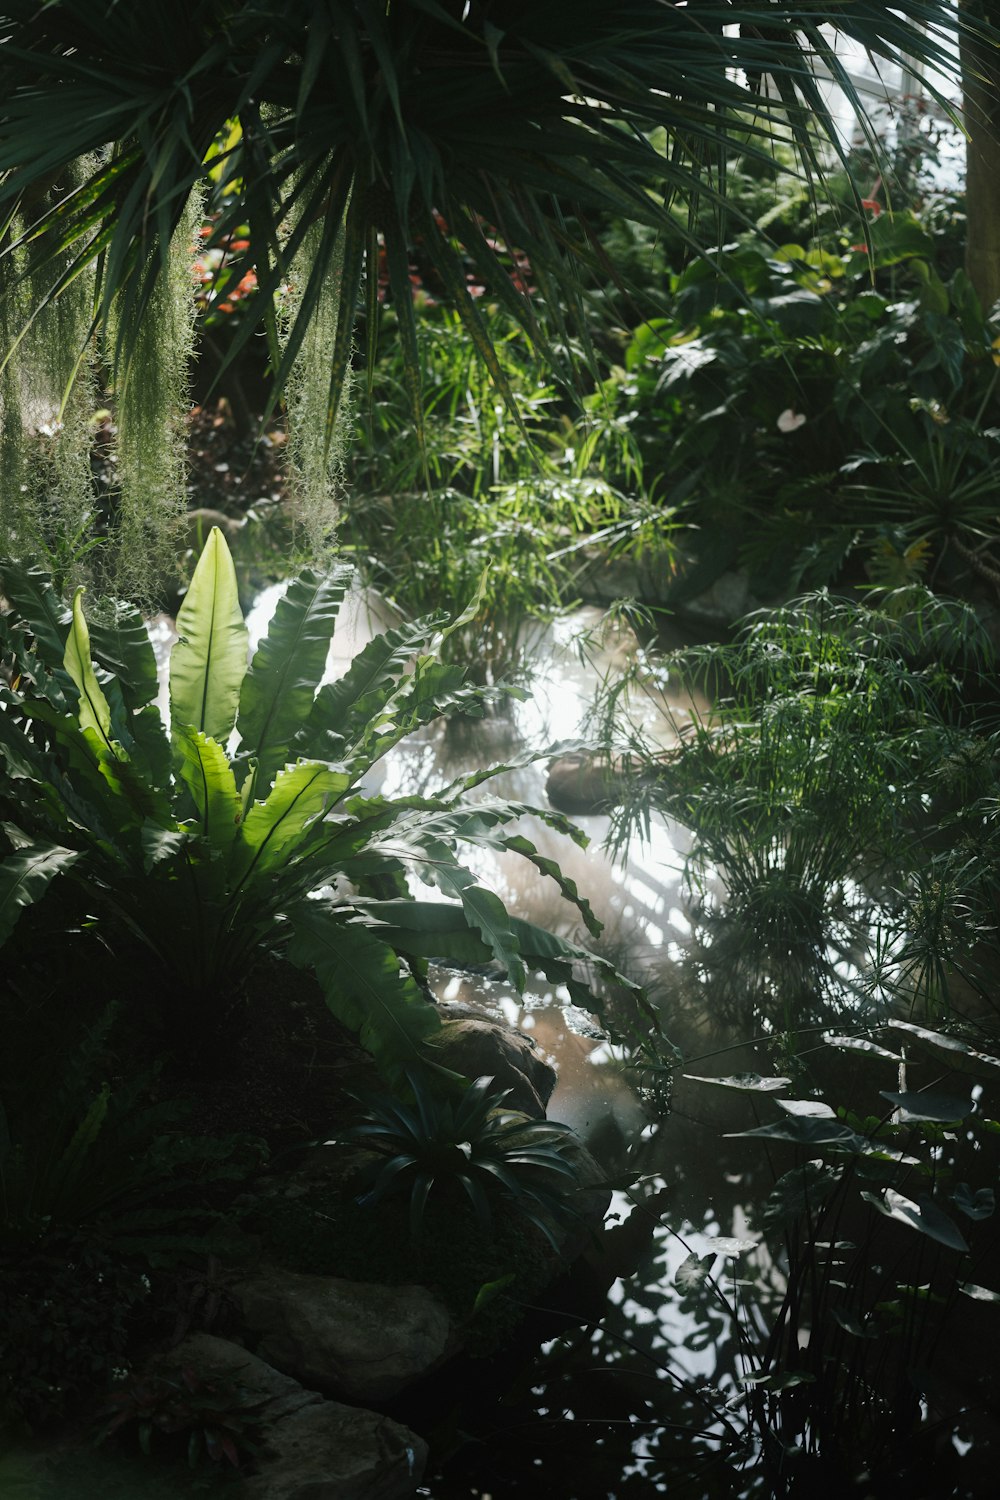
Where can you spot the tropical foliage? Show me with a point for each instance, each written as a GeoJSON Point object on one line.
{"type": "Point", "coordinates": [424, 1146]}
{"type": "Point", "coordinates": [841, 799]}
{"type": "Point", "coordinates": [489, 127]}
{"type": "Point", "coordinates": [178, 832]}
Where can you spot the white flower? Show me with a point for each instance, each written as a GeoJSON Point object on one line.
{"type": "Point", "coordinates": [790, 420]}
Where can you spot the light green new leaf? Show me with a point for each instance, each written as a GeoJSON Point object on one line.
{"type": "Point", "coordinates": [26, 874]}
{"type": "Point", "coordinates": [207, 773]}
{"type": "Point", "coordinates": [94, 710]}
{"type": "Point", "coordinates": [209, 662]}
{"type": "Point", "coordinates": [278, 691]}
{"type": "Point", "coordinates": [301, 793]}
{"type": "Point", "coordinates": [363, 986]}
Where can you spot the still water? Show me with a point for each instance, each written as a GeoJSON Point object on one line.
{"type": "Point", "coordinates": [630, 1378]}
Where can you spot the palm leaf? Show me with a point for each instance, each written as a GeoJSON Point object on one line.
{"type": "Point", "coordinates": [534, 120]}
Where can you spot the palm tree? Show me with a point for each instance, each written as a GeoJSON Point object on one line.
{"type": "Point", "coordinates": [475, 124]}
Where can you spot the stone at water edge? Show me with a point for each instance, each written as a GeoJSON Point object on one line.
{"type": "Point", "coordinates": [481, 1048]}
{"type": "Point", "coordinates": [356, 1340]}
{"type": "Point", "coordinates": [311, 1448]}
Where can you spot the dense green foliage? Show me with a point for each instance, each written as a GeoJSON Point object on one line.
{"type": "Point", "coordinates": [457, 122]}
{"type": "Point", "coordinates": [472, 1143]}
{"type": "Point", "coordinates": [176, 833]}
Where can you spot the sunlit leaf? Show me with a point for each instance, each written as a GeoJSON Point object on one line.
{"type": "Point", "coordinates": [805, 1131]}
{"type": "Point", "coordinates": [860, 1044]}
{"type": "Point", "coordinates": [692, 1273]}
{"type": "Point", "coordinates": [807, 1109]}
{"type": "Point", "coordinates": [929, 1106]}
{"type": "Point", "coordinates": [978, 1293]}
{"type": "Point", "coordinates": [747, 1083]}
{"type": "Point", "coordinates": [959, 1055]}
{"type": "Point", "coordinates": [922, 1215]}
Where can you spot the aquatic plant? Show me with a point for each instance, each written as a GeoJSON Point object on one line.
{"type": "Point", "coordinates": [842, 778]}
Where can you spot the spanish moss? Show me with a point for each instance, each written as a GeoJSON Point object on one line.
{"type": "Point", "coordinates": [48, 397]}
{"type": "Point", "coordinates": [151, 398]}
{"type": "Point", "coordinates": [316, 466]}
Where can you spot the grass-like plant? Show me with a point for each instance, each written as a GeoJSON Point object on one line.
{"type": "Point", "coordinates": [204, 844]}
{"type": "Point", "coordinates": [430, 1143]}
{"type": "Point", "coordinates": [838, 782]}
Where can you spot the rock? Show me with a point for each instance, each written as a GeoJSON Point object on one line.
{"type": "Point", "coordinates": [334, 1452]}
{"type": "Point", "coordinates": [582, 785]}
{"type": "Point", "coordinates": [347, 1338]}
{"type": "Point", "coordinates": [483, 1048]}
{"type": "Point", "coordinates": [312, 1449]}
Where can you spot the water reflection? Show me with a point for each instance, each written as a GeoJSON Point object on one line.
{"type": "Point", "coordinates": [627, 1380]}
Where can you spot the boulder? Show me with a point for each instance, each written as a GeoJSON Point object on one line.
{"type": "Point", "coordinates": [348, 1338]}
{"type": "Point", "coordinates": [312, 1449]}
{"type": "Point", "coordinates": [479, 1047]}
{"type": "Point", "coordinates": [582, 785]}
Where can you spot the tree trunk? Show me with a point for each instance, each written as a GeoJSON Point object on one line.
{"type": "Point", "coordinates": [981, 105]}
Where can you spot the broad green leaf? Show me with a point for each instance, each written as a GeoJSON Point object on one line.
{"type": "Point", "coordinates": [31, 593]}
{"type": "Point", "coordinates": [160, 844]}
{"type": "Point", "coordinates": [980, 1204]}
{"type": "Point", "coordinates": [209, 661]}
{"type": "Point", "coordinates": [922, 1215]}
{"type": "Point", "coordinates": [978, 1293]}
{"type": "Point", "coordinates": [808, 1132]}
{"type": "Point", "coordinates": [363, 986]}
{"type": "Point", "coordinates": [301, 794]}
{"type": "Point", "coordinates": [517, 844]}
{"type": "Point", "coordinates": [205, 770]}
{"type": "Point", "coordinates": [277, 695]}
{"type": "Point", "coordinates": [351, 706]}
{"type": "Point", "coordinates": [122, 647]}
{"type": "Point", "coordinates": [958, 1054]}
{"type": "Point", "coordinates": [490, 1290]}
{"type": "Point", "coordinates": [800, 1191]}
{"type": "Point", "coordinates": [748, 1083]}
{"type": "Point", "coordinates": [730, 1245]}
{"type": "Point", "coordinates": [860, 1044]}
{"type": "Point", "coordinates": [811, 1109]}
{"type": "Point", "coordinates": [94, 712]}
{"type": "Point", "coordinates": [929, 1106]}
{"type": "Point", "coordinates": [854, 1325]}
{"type": "Point", "coordinates": [485, 910]}
{"type": "Point", "coordinates": [25, 875]}
{"type": "Point", "coordinates": [693, 1272]}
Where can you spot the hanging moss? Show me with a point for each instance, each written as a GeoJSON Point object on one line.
{"type": "Point", "coordinates": [48, 396]}
{"type": "Point", "coordinates": [151, 400]}
{"type": "Point", "coordinates": [315, 468]}
{"type": "Point", "coordinates": [11, 418]}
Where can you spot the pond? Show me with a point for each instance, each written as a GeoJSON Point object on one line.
{"type": "Point", "coordinates": [687, 1353]}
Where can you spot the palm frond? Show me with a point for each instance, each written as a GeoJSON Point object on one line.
{"type": "Point", "coordinates": [486, 128]}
